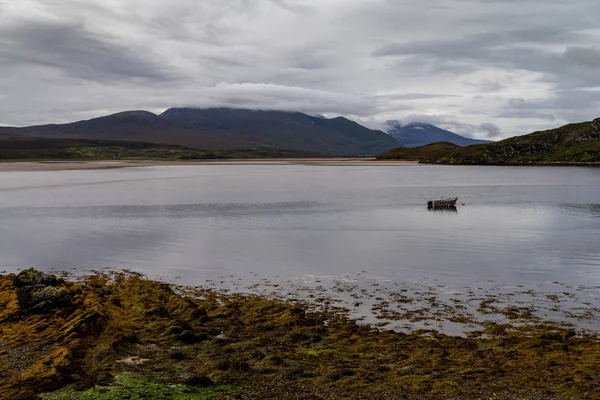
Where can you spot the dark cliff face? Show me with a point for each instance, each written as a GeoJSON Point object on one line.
{"type": "Point", "coordinates": [224, 129]}
{"type": "Point", "coordinates": [419, 134]}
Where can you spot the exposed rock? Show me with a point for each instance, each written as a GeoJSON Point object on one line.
{"type": "Point", "coordinates": [200, 315]}
{"type": "Point", "coordinates": [38, 292]}
{"type": "Point", "coordinates": [178, 355]}
{"type": "Point", "coordinates": [31, 276]}
{"type": "Point", "coordinates": [189, 337]}
{"type": "Point", "coordinates": [179, 327]}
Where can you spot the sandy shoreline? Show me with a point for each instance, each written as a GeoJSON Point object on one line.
{"type": "Point", "coordinates": [82, 165]}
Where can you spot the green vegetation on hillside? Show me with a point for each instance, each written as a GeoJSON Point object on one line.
{"type": "Point", "coordinates": [154, 152]}
{"type": "Point", "coordinates": [419, 153]}
{"type": "Point", "coordinates": [31, 148]}
{"type": "Point", "coordinates": [573, 143]}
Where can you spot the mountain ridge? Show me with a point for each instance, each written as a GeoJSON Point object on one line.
{"type": "Point", "coordinates": [417, 134]}
{"type": "Point", "coordinates": [298, 129]}
{"type": "Point", "coordinates": [223, 129]}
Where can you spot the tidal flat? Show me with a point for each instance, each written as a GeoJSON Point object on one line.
{"type": "Point", "coordinates": [120, 335]}
{"type": "Point", "coordinates": [68, 165]}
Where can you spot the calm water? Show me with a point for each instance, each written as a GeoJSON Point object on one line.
{"type": "Point", "coordinates": [519, 225]}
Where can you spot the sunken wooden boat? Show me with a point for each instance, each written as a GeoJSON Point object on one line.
{"type": "Point", "coordinates": [443, 203]}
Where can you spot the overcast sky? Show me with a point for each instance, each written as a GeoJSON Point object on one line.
{"type": "Point", "coordinates": [485, 68]}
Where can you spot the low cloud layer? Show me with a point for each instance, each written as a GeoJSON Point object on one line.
{"type": "Point", "coordinates": [269, 96]}
{"type": "Point", "coordinates": [488, 69]}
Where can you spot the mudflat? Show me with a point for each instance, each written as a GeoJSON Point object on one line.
{"type": "Point", "coordinates": [82, 165]}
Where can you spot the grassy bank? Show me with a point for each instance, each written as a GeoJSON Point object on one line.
{"type": "Point", "coordinates": [122, 336]}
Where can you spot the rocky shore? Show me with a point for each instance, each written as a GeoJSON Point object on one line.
{"type": "Point", "coordinates": [114, 336]}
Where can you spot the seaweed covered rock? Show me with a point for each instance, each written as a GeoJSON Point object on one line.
{"type": "Point", "coordinates": [142, 339]}
{"type": "Point", "coordinates": [31, 277]}
{"type": "Point", "coordinates": [38, 292]}
{"type": "Point", "coordinates": [40, 298]}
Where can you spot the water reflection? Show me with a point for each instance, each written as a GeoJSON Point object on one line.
{"type": "Point", "coordinates": [203, 222]}
{"type": "Point", "coordinates": [591, 210]}
{"type": "Point", "coordinates": [443, 210]}
{"type": "Point", "coordinates": [159, 211]}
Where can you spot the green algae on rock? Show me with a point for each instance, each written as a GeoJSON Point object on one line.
{"type": "Point", "coordinates": [121, 333]}
{"type": "Point", "coordinates": [125, 387]}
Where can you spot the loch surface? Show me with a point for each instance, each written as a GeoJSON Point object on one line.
{"type": "Point", "coordinates": [194, 223]}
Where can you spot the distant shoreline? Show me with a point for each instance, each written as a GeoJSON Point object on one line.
{"type": "Point", "coordinates": [522, 164]}
{"type": "Point", "coordinates": [110, 164]}
{"type": "Point", "coordinates": [70, 165]}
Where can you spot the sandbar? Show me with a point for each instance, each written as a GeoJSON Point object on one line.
{"type": "Point", "coordinates": [83, 165]}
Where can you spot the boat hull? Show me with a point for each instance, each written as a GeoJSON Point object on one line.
{"type": "Point", "coordinates": [444, 203]}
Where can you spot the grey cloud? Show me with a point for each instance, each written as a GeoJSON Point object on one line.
{"type": "Point", "coordinates": [225, 61]}
{"type": "Point", "coordinates": [460, 61]}
{"type": "Point", "coordinates": [566, 99]}
{"type": "Point", "coordinates": [309, 59]}
{"type": "Point", "coordinates": [426, 119]}
{"type": "Point", "coordinates": [270, 96]}
{"type": "Point", "coordinates": [418, 66]}
{"type": "Point", "coordinates": [489, 85]}
{"type": "Point", "coordinates": [310, 64]}
{"type": "Point", "coordinates": [573, 66]}
{"type": "Point", "coordinates": [513, 113]}
{"type": "Point", "coordinates": [490, 129]}
{"type": "Point", "coordinates": [470, 45]}
{"type": "Point", "coordinates": [292, 6]}
{"type": "Point", "coordinates": [577, 66]}
{"type": "Point", "coordinates": [568, 105]}
{"type": "Point", "coordinates": [583, 56]}
{"type": "Point", "coordinates": [415, 96]}
{"type": "Point", "coordinates": [76, 52]}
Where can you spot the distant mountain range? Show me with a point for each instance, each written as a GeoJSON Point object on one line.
{"type": "Point", "coordinates": [223, 129]}
{"type": "Point", "coordinates": [573, 143]}
{"type": "Point", "coordinates": [190, 133]}
{"type": "Point", "coordinates": [419, 134]}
